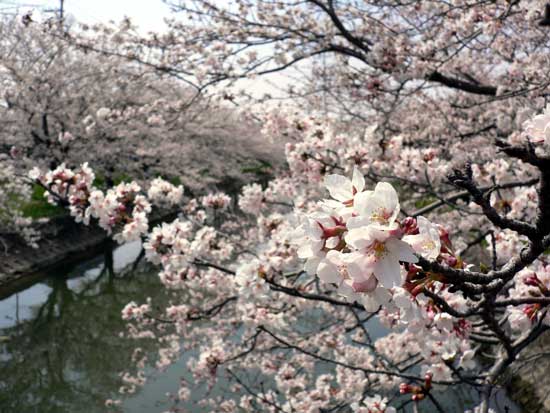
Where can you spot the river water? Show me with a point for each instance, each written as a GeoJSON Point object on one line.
{"type": "Point", "coordinates": [59, 346]}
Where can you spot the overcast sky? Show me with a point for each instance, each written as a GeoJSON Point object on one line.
{"type": "Point", "coordinates": [148, 14]}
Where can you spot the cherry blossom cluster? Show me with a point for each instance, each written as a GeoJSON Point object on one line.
{"type": "Point", "coordinates": [356, 242]}
{"type": "Point", "coordinates": [218, 201]}
{"type": "Point", "coordinates": [254, 199]}
{"type": "Point", "coordinates": [538, 128]}
{"type": "Point", "coordinates": [178, 245]}
{"type": "Point", "coordinates": [374, 404]}
{"type": "Point", "coordinates": [532, 283]}
{"type": "Point", "coordinates": [14, 193]}
{"type": "Point", "coordinates": [164, 193]}
{"type": "Point", "coordinates": [64, 184]}
{"type": "Point", "coordinates": [132, 310]}
{"type": "Point", "coordinates": [121, 211]}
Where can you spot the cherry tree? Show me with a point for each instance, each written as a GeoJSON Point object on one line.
{"type": "Point", "coordinates": [415, 194]}
{"type": "Point", "coordinates": [65, 104]}
{"type": "Point", "coordinates": [297, 289]}
{"type": "Point", "coordinates": [62, 105]}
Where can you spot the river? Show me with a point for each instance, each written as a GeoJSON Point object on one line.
{"type": "Point", "coordinates": [59, 346]}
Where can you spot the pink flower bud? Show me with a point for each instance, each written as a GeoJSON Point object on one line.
{"type": "Point", "coordinates": [428, 380]}
{"type": "Point", "coordinates": [409, 226]}
{"type": "Point", "coordinates": [532, 280]}
{"type": "Point", "coordinates": [451, 261]}
{"type": "Point", "coordinates": [444, 237]}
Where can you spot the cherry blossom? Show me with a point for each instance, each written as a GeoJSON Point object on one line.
{"type": "Point", "coordinates": [440, 233]}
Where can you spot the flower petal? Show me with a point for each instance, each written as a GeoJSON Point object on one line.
{"type": "Point", "coordinates": [401, 250]}
{"type": "Point", "coordinates": [311, 265]}
{"type": "Point", "coordinates": [359, 238]}
{"type": "Point", "coordinates": [388, 271]}
{"type": "Point", "coordinates": [358, 180]}
{"type": "Point", "coordinates": [328, 272]}
{"type": "Point", "coordinates": [339, 187]}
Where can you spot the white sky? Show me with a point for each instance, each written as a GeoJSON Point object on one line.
{"type": "Point", "coordinates": [148, 15]}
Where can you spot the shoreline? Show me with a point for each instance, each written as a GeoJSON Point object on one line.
{"type": "Point", "coordinates": [63, 243]}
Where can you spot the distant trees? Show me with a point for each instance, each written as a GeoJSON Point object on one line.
{"type": "Point", "coordinates": [61, 104]}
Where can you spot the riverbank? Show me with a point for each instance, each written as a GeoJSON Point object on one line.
{"type": "Point", "coordinates": [64, 243]}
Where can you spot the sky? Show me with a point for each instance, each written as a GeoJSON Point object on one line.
{"type": "Point", "coordinates": [148, 15]}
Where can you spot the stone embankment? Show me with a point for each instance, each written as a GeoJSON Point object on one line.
{"type": "Point", "coordinates": [63, 243]}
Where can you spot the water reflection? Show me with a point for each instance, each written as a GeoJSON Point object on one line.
{"type": "Point", "coordinates": [59, 347]}
{"type": "Point", "coordinates": [60, 351]}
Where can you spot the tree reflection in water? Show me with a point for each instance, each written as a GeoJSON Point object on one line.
{"type": "Point", "coordinates": [60, 350]}
{"type": "Point", "coordinates": [64, 353]}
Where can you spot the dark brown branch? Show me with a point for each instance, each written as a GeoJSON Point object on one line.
{"type": "Point", "coordinates": [349, 366]}
{"type": "Point", "coordinates": [465, 181]}
{"type": "Point", "coordinates": [462, 194]}
{"type": "Point", "coordinates": [462, 85]}
{"type": "Point", "coordinates": [522, 300]}
{"type": "Point", "coordinates": [308, 296]}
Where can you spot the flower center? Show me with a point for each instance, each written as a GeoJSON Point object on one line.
{"type": "Point", "coordinates": [379, 249]}
{"type": "Point", "coordinates": [382, 216]}
{"type": "Point", "coordinates": [428, 245]}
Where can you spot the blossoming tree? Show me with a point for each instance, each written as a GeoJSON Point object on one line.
{"type": "Point", "coordinates": [61, 104]}
{"type": "Point", "coordinates": [416, 193]}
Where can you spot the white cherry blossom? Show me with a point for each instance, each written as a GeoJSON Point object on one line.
{"type": "Point", "coordinates": [344, 190]}
{"type": "Point", "coordinates": [427, 242]}
{"type": "Point", "coordinates": [379, 253]}
{"type": "Point", "coordinates": [378, 208]}
{"type": "Point", "coordinates": [538, 127]}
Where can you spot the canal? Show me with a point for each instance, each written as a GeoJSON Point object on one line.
{"type": "Point", "coordinates": [61, 350]}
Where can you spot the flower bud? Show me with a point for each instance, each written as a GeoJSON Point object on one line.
{"type": "Point", "coordinates": [428, 380]}
{"type": "Point", "coordinates": [444, 237]}
{"type": "Point", "coordinates": [532, 280]}
{"type": "Point", "coordinates": [531, 311]}
{"type": "Point", "coordinates": [451, 261]}
{"type": "Point", "coordinates": [409, 226]}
